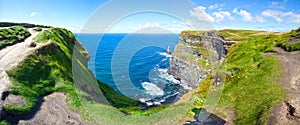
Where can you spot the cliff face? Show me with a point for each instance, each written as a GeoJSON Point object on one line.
{"type": "Point", "coordinates": [195, 55]}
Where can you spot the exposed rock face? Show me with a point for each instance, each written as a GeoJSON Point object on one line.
{"type": "Point", "coordinates": [195, 55]}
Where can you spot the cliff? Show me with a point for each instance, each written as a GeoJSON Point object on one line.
{"type": "Point", "coordinates": [254, 86]}
{"type": "Point", "coordinates": [195, 56]}
{"type": "Point", "coordinates": [40, 80]}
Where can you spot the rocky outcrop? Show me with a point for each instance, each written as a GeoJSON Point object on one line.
{"type": "Point", "coordinates": [196, 54]}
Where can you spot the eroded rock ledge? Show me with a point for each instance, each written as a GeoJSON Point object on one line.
{"type": "Point", "coordinates": [196, 54]}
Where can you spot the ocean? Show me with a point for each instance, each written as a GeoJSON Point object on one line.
{"type": "Point", "coordinates": [135, 65]}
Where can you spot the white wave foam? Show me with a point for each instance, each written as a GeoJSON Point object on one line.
{"type": "Point", "coordinates": [144, 99]}
{"type": "Point", "coordinates": [165, 75]}
{"type": "Point", "coordinates": [152, 89]}
{"type": "Point", "coordinates": [149, 103]}
{"type": "Point", "coordinates": [165, 54]}
{"type": "Point", "coordinates": [156, 103]}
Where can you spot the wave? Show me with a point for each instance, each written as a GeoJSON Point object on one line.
{"type": "Point", "coordinates": [165, 54]}
{"type": "Point", "coordinates": [152, 89]}
{"type": "Point", "coordinates": [144, 100]}
{"type": "Point", "coordinates": [165, 75]}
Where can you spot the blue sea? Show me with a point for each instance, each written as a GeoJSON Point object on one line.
{"type": "Point", "coordinates": [135, 65]}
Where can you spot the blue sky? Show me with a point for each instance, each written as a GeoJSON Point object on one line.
{"type": "Point", "coordinates": [171, 15]}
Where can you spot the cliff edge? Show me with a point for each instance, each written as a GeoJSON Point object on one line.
{"type": "Point", "coordinates": [40, 87]}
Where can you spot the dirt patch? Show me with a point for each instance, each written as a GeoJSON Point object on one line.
{"type": "Point", "coordinates": [16, 100]}
{"type": "Point", "coordinates": [287, 113]}
{"type": "Point", "coordinates": [51, 110]}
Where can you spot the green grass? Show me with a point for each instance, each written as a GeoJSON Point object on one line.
{"type": "Point", "coordinates": [282, 41]}
{"type": "Point", "coordinates": [238, 35]}
{"type": "Point", "coordinates": [252, 82]}
{"type": "Point", "coordinates": [191, 33]}
{"type": "Point", "coordinates": [186, 56]}
{"type": "Point", "coordinates": [49, 69]}
{"type": "Point", "coordinates": [38, 29]}
{"type": "Point", "coordinates": [12, 35]}
{"type": "Point", "coordinates": [138, 111]}
{"type": "Point", "coordinates": [100, 114]}
{"type": "Point", "coordinates": [252, 85]}
{"type": "Point", "coordinates": [4, 123]}
{"type": "Point", "coordinates": [43, 37]}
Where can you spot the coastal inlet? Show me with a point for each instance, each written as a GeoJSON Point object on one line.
{"type": "Point", "coordinates": [147, 67]}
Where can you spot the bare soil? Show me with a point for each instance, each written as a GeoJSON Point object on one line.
{"type": "Point", "coordinates": [288, 112]}
{"type": "Point", "coordinates": [53, 110]}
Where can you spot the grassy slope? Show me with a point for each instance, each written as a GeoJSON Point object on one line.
{"type": "Point", "coordinates": [252, 79]}
{"type": "Point", "coordinates": [282, 41]}
{"type": "Point", "coordinates": [251, 86]}
{"type": "Point", "coordinates": [12, 35]}
{"type": "Point", "coordinates": [49, 69]}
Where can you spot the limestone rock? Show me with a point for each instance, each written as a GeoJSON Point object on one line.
{"type": "Point", "coordinates": [195, 55]}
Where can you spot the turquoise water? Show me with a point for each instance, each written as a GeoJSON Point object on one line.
{"type": "Point", "coordinates": [135, 65]}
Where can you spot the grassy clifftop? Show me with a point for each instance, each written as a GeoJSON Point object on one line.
{"type": "Point", "coordinates": [252, 85]}
{"type": "Point", "coordinates": [12, 35]}
{"type": "Point", "coordinates": [49, 69]}
{"type": "Point", "coordinates": [53, 67]}
{"type": "Point", "coordinates": [252, 80]}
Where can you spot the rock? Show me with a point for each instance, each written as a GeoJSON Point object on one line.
{"type": "Point", "coordinates": [293, 108]}
{"type": "Point", "coordinates": [14, 100]}
{"type": "Point", "coordinates": [32, 44]}
{"type": "Point", "coordinates": [195, 55]}
{"type": "Point", "coordinates": [53, 111]}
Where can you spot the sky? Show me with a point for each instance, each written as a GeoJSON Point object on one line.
{"type": "Point", "coordinates": [120, 16]}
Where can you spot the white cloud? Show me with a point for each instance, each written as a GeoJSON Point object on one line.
{"type": "Point", "coordinates": [216, 17]}
{"type": "Point", "coordinates": [188, 22]}
{"type": "Point", "coordinates": [278, 5]}
{"type": "Point", "coordinates": [281, 17]}
{"type": "Point", "coordinates": [275, 14]}
{"type": "Point", "coordinates": [294, 18]}
{"type": "Point", "coordinates": [260, 19]}
{"type": "Point", "coordinates": [73, 28]}
{"type": "Point", "coordinates": [216, 6]}
{"type": "Point", "coordinates": [34, 14]}
{"type": "Point", "coordinates": [221, 15]}
{"type": "Point", "coordinates": [200, 13]}
{"type": "Point", "coordinates": [246, 16]}
{"type": "Point", "coordinates": [153, 24]}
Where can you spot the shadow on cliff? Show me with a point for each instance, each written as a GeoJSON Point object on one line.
{"type": "Point", "coordinates": [212, 119]}
{"type": "Point", "coordinates": [14, 120]}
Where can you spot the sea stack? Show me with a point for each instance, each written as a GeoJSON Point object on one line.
{"type": "Point", "coordinates": [168, 50]}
